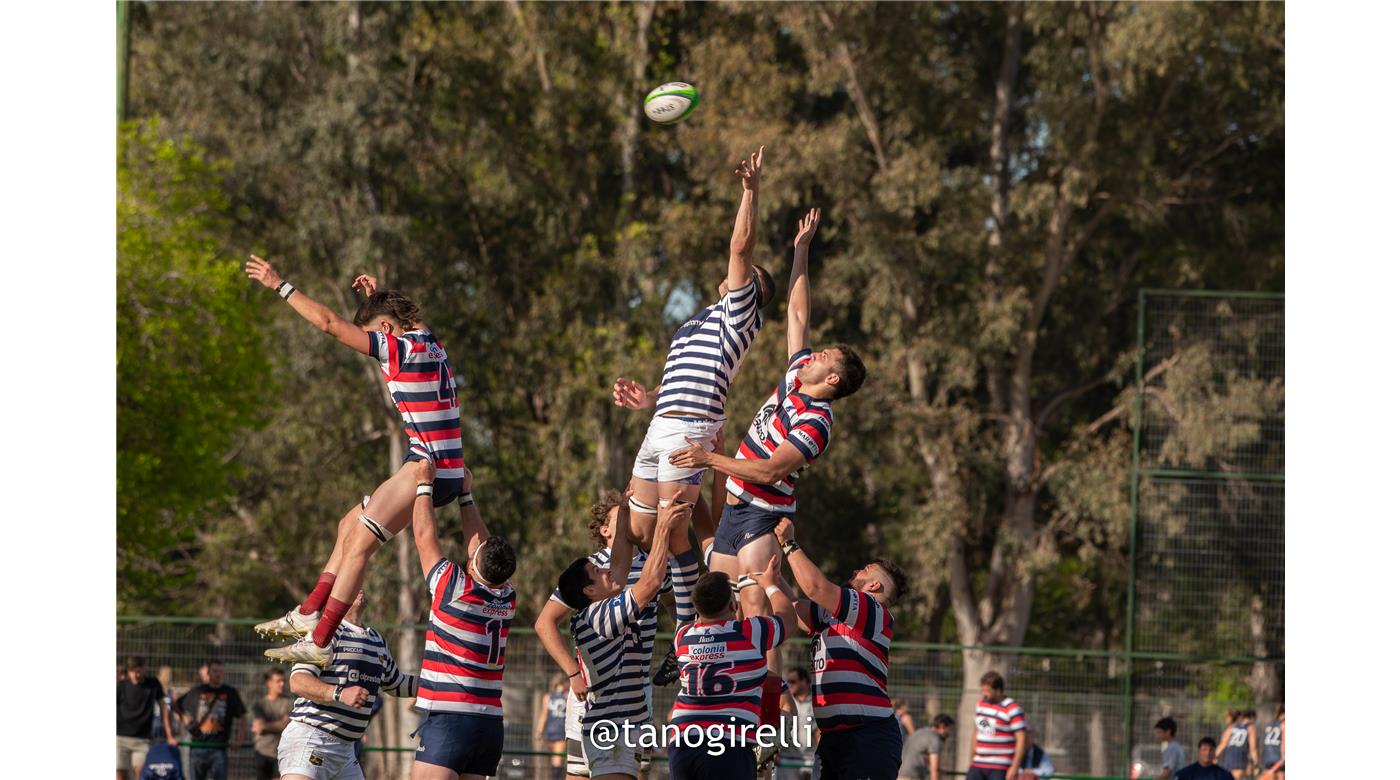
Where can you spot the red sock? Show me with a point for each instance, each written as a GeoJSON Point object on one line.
{"type": "Point", "coordinates": [330, 621]}
{"type": "Point", "coordinates": [319, 594]}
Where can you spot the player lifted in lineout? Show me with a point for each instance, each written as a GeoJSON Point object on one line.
{"type": "Point", "coordinates": [704, 358]}
{"type": "Point", "coordinates": [791, 429]}
{"type": "Point", "coordinates": [389, 328]}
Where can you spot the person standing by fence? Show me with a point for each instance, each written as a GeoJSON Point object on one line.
{"type": "Point", "coordinates": [213, 713]}
{"type": "Point", "coordinates": [1173, 754]}
{"type": "Point", "coordinates": [999, 737]}
{"type": "Point", "coordinates": [271, 714]}
{"type": "Point", "coordinates": [137, 697]}
{"type": "Point", "coordinates": [1240, 744]}
{"type": "Point", "coordinates": [1271, 760]}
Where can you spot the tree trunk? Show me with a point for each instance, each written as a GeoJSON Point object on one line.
{"type": "Point", "coordinates": [1098, 745]}
{"type": "Point", "coordinates": [631, 124]}
{"type": "Point", "coordinates": [1001, 122]}
{"type": "Point", "coordinates": [1264, 678]}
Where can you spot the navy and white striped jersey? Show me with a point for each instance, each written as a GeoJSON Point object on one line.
{"type": "Point", "coordinates": [614, 638]}
{"type": "Point", "coordinates": [722, 672]}
{"type": "Point", "coordinates": [359, 657]}
{"type": "Point", "coordinates": [705, 355]}
{"type": "Point", "coordinates": [851, 655]}
{"type": "Point", "coordinates": [464, 652]}
{"type": "Point", "coordinates": [603, 558]}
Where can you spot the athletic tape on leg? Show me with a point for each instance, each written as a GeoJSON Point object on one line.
{"type": "Point", "coordinates": [380, 532]}
{"type": "Point", "coordinates": [638, 506]}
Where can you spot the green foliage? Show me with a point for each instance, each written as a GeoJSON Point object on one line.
{"type": "Point", "coordinates": [191, 370]}
{"type": "Point", "coordinates": [495, 166]}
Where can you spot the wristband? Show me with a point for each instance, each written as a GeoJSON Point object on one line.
{"type": "Point", "coordinates": [425, 489]}
{"type": "Point", "coordinates": [771, 589]}
{"type": "Point", "coordinates": [285, 289]}
{"type": "Point", "coordinates": [576, 674]}
{"type": "Point", "coordinates": [338, 689]}
{"type": "Point", "coordinates": [790, 546]}
{"type": "Point", "coordinates": [465, 499]}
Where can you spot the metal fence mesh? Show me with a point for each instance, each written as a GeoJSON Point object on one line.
{"type": "Point", "coordinates": [1213, 367]}
{"type": "Point", "coordinates": [1077, 701]}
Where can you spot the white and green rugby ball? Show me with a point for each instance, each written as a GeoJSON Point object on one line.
{"type": "Point", "coordinates": [671, 102]}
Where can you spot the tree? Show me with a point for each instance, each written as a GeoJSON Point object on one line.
{"type": "Point", "coordinates": [190, 364]}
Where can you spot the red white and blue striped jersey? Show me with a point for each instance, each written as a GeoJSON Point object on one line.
{"type": "Point", "coordinates": [359, 657]}
{"type": "Point", "coordinates": [464, 654]}
{"type": "Point", "coordinates": [789, 415]}
{"type": "Point", "coordinates": [850, 656]}
{"type": "Point", "coordinates": [425, 391]}
{"type": "Point", "coordinates": [997, 724]}
{"type": "Point", "coordinates": [705, 355]}
{"type": "Point", "coordinates": [722, 672]}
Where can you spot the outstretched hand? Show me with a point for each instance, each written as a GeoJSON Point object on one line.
{"type": "Point", "coordinates": [807, 228]}
{"type": "Point", "coordinates": [783, 530]}
{"type": "Point", "coordinates": [769, 576]}
{"type": "Point", "coordinates": [261, 270]}
{"type": "Point", "coordinates": [366, 284]}
{"type": "Point", "coordinates": [630, 394]}
{"type": "Point", "coordinates": [749, 170]}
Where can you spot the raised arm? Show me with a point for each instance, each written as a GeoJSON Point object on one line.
{"type": "Point", "coordinates": [654, 571]}
{"type": "Point", "coordinates": [783, 608]}
{"type": "Point", "coordinates": [425, 531]}
{"type": "Point", "coordinates": [825, 593]}
{"type": "Point", "coordinates": [473, 527]}
{"type": "Point", "coordinates": [799, 307]}
{"type": "Point", "coordinates": [312, 311]}
{"type": "Point", "coordinates": [547, 629]}
{"type": "Point", "coordinates": [742, 241]}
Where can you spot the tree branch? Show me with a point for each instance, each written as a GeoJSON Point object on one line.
{"type": "Point", "coordinates": [863, 109]}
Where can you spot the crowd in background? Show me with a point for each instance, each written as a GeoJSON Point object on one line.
{"type": "Point", "coordinates": [155, 719]}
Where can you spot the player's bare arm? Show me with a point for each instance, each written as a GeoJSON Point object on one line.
{"type": "Point", "coordinates": [809, 578]}
{"type": "Point", "coordinates": [783, 607]}
{"type": "Point", "coordinates": [425, 531]}
{"type": "Point", "coordinates": [547, 629]}
{"type": "Point", "coordinates": [742, 240]}
{"type": "Point", "coordinates": [653, 576]}
{"type": "Point", "coordinates": [631, 394]}
{"type": "Point", "coordinates": [474, 532]}
{"type": "Point", "coordinates": [799, 308]}
{"type": "Point", "coordinates": [768, 471]}
{"type": "Point", "coordinates": [312, 311]}
{"type": "Point", "coordinates": [305, 684]}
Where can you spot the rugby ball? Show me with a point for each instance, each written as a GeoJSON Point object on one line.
{"type": "Point", "coordinates": [671, 102]}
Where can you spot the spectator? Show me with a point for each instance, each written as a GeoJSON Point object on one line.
{"type": "Point", "coordinates": [1205, 768]}
{"type": "Point", "coordinates": [901, 714]}
{"type": "Point", "coordinates": [922, 749]}
{"type": "Point", "coordinates": [137, 697]}
{"type": "Point", "coordinates": [1241, 746]}
{"type": "Point", "coordinates": [1272, 759]}
{"type": "Point", "coordinates": [166, 676]}
{"type": "Point", "coordinates": [1037, 763]}
{"type": "Point", "coordinates": [271, 714]}
{"type": "Point", "coordinates": [802, 728]}
{"type": "Point", "coordinates": [213, 713]}
{"type": "Point", "coordinates": [999, 739]}
{"type": "Point", "coordinates": [163, 763]}
{"type": "Point", "coordinates": [1173, 754]}
{"type": "Point", "coordinates": [549, 722]}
